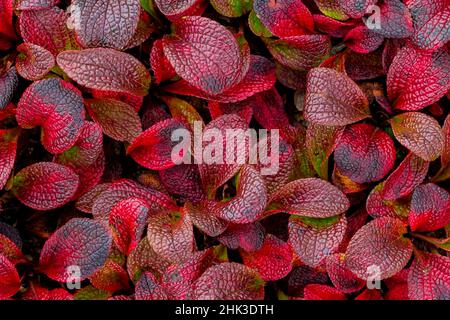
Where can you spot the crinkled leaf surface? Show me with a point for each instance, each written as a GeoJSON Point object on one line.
{"type": "Point", "coordinates": [33, 61]}
{"type": "Point", "coordinates": [420, 133]}
{"type": "Point", "coordinates": [249, 237]}
{"type": "Point", "coordinates": [81, 242]}
{"type": "Point", "coordinates": [229, 281]}
{"type": "Point", "coordinates": [35, 4]}
{"type": "Point", "coordinates": [8, 84]}
{"type": "Point", "coordinates": [311, 197]}
{"type": "Point", "coordinates": [174, 9]}
{"type": "Point", "coordinates": [45, 185]}
{"type": "Point", "coordinates": [365, 153]}
{"type": "Point", "coordinates": [93, 68]}
{"type": "Point", "coordinates": [341, 277]}
{"type": "Point", "coordinates": [203, 217]}
{"type": "Point", "coordinates": [9, 278]}
{"type": "Point", "coordinates": [334, 99]}
{"type": "Point", "coordinates": [105, 23]}
{"type": "Point", "coordinates": [379, 247]}
{"type": "Point", "coordinates": [8, 148]}
{"type": "Point", "coordinates": [430, 208]}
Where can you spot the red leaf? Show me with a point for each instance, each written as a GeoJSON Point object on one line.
{"type": "Point", "coordinates": [322, 292]}
{"type": "Point", "coordinates": [370, 294]}
{"type": "Point", "coordinates": [8, 147]}
{"type": "Point", "coordinates": [203, 218]}
{"type": "Point", "coordinates": [420, 133]}
{"type": "Point", "coordinates": [8, 85]}
{"type": "Point", "coordinates": [128, 220]}
{"type": "Point", "coordinates": [86, 202]}
{"type": "Point", "coordinates": [10, 250]}
{"type": "Point", "coordinates": [364, 153]}
{"type": "Point", "coordinates": [105, 23]}
{"type": "Point", "coordinates": [111, 277]}
{"type": "Point", "coordinates": [86, 150]}
{"type": "Point", "coordinates": [117, 119]}
{"type": "Point", "coordinates": [229, 281]}
{"type": "Point", "coordinates": [6, 18]}
{"type": "Point", "coordinates": [300, 52]}
{"type": "Point", "coordinates": [363, 40]}
{"type": "Point", "coordinates": [331, 9]}
{"type": "Point", "coordinates": [45, 185]}
{"type": "Point", "coordinates": [171, 235]}
{"type": "Point", "coordinates": [430, 208]}
{"type": "Point", "coordinates": [132, 100]}
{"type": "Point", "coordinates": [82, 243]}
{"type": "Point", "coordinates": [320, 144]}
{"type": "Point", "coordinates": [244, 109]}
{"type": "Point", "coordinates": [35, 4]}
{"type": "Point", "coordinates": [149, 288]}
{"type": "Point", "coordinates": [408, 175]}
{"type": "Point", "coordinates": [154, 147]}
{"type": "Point", "coordinates": [90, 176]}
{"type": "Point", "coordinates": [334, 28]}
{"type": "Point", "coordinates": [260, 77]}
{"type": "Point", "coordinates": [205, 54]}
{"type": "Point", "coordinates": [46, 28]}
{"type": "Point", "coordinates": [92, 68]}
{"type": "Point", "coordinates": [334, 99]}
{"type": "Point", "coordinates": [250, 200]}
{"type": "Point", "coordinates": [123, 189]}
{"type": "Point", "coordinates": [417, 79]}
{"type": "Point", "coordinates": [355, 8]}
{"type": "Point", "coordinates": [273, 260]}
{"type": "Point", "coordinates": [429, 277]}
{"type": "Point", "coordinates": [175, 9]}
{"type": "Point", "coordinates": [315, 239]}
{"type": "Point", "coordinates": [284, 18]}
{"type": "Point", "coordinates": [249, 237]}
{"type": "Point", "coordinates": [56, 106]}
{"type": "Point", "coordinates": [431, 19]}
{"type": "Point", "coordinates": [309, 197]}
{"type": "Point", "coordinates": [161, 67]}
{"type": "Point", "coordinates": [40, 293]}
{"type": "Point", "coordinates": [395, 19]}
{"type": "Point", "coordinates": [214, 175]}
{"type": "Point", "coordinates": [9, 278]}
{"type": "Point", "coordinates": [378, 205]}
{"type": "Point", "coordinates": [302, 276]}
{"type": "Point", "coordinates": [379, 249]}
{"type": "Point", "coordinates": [33, 62]}
{"type": "Point", "coordinates": [183, 181]}
{"type": "Point", "coordinates": [341, 277]}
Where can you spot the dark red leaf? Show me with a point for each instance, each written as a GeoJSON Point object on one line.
{"type": "Point", "coordinates": [363, 40]}
{"type": "Point", "coordinates": [284, 18]}
{"type": "Point", "coordinates": [111, 277]}
{"type": "Point", "coordinates": [249, 237]}
{"type": "Point", "coordinates": [355, 8]}
{"type": "Point", "coordinates": [92, 68]}
{"type": "Point", "coordinates": [341, 277]}
{"type": "Point", "coordinates": [8, 84]}
{"type": "Point", "coordinates": [203, 217]}
{"type": "Point", "coordinates": [175, 9]}
{"type": "Point", "coordinates": [161, 67]}
{"type": "Point", "coordinates": [9, 278]}
{"type": "Point", "coordinates": [229, 281]}
{"type": "Point", "coordinates": [33, 61]}
{"type": "Point", "coordinates": [149, 288]}
{"type": "Point", "coordinates": [8, 147]}
{"type": "Point", "coordinates": [183, 181]}
{"type": "Point", "coordinates": [322, 292]}
{"type": "Point", "coordinates": [45, 185]}
{"type": "Point", "coordinates": [334, 99]}
{"type": "Point", "coordinates": [82, 243]}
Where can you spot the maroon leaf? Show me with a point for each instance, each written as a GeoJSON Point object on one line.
{"type": "Point", "coordinates": [431, 18]}
{"type": "Point", "coordinates": [205, 54]}
{"type": "Point", "coordinates": [430, 208]}
{"type": "Point", "coordinates": [315, 239]}
{"type": "Point", "coordinates": [175, 9]}
{"type": "Point", "coordinates": [409, 174]}
{"type": "Point", "coordinates": [56, 106]}
{"type": "Point", "coordinates": [322, 292]}
{"type": "Point", "coordinates": [183, 181]}
{"type": "Point", "coordinates": [251, 198]}
{"type": "Point", "coordinates": [334, 99]}
{"type": "Point", "coordinates": [161, 67]}
{"type": "Point", "coordinates": [92, 68]}
{"type": "Point", "coordinates": [395, 19]}
{"type": "Point", "coordinates": [417, 79]}
{"type": "Point", "coordinates": [171, 235]}
{"type": "Point", "coordinates": [111, 277]}
{"type": "Point", "coordinates": [153, 149]}
{"type": "Point", "coordinates": [35, 4]}
{"type": "Point", "coordinates": [149, 288]}
{"type": "Point", "coordinates": [105, 23]}
{"type": "Point", "coordinates": [249, 237]}
{"type": "Point", "coordinates": [82, 243]}
{"type": "Point", "coordinates": [365, 153]}
{"type": "Point", "coordinates": [8, 85]}
{"type": "Point", "coordinates": [429, 277]}
{"type": "Point", "coordinates": [309, 197]}
{"type": "Point", "coordinates": [128, 220]}
{"type": "Point", "coordinates": [45, 185]}
{"type": "Point", "coordinates": [9, 278]}
{"type": "Point", "coordinates": [363, 40]}
{"type": "Point", "coordinates": [117, 119]}
{"type": "Point", "coordinates": [420, 133]}
{"type": "Point", "coordinates": [8, 148]}
{"type": "Point", "coordinates": [284, 18]}
{"type": "Point", "coordinates": [379, 249]}
{"type": "Point", "coordinates": [33, 62]}
{"type": "Point", "coordinates": [355, 8]}
{"type": "Point", "coordinates": [229, 281]}
{"type": "Point", "coordinates": [46, 28]}
{"type": "Point", "coordinates": [203, 217]}
{"type": "Point", "coordinates": [273, 260]}
{"type": "Point", "coordinates": [300, 52]}
{"type": "Point", "coordinates": [341, 277]}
